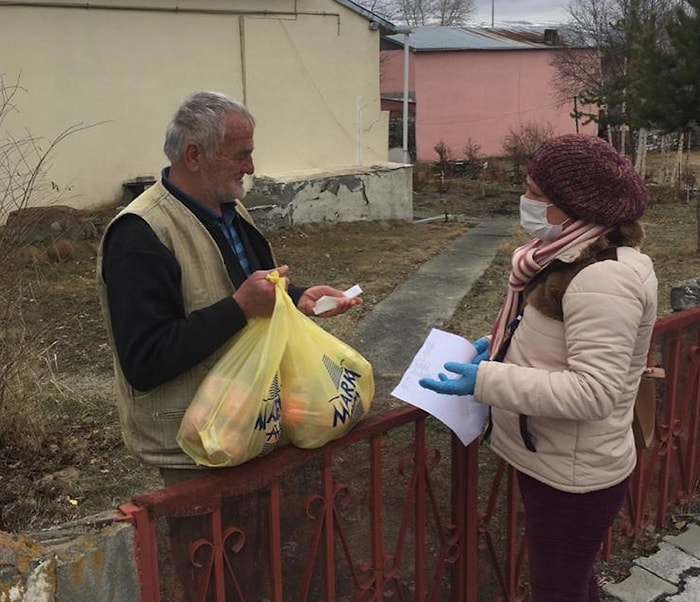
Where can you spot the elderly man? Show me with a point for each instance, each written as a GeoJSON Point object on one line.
{"type": "Point", "coordinates": [181, 270]}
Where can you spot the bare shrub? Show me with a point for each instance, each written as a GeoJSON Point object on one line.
{"type": "Point", "coordinates": [446, 156]}
{"type": "Point", "coordinates": [22, 421]}
{"type": "Point", "coordinates": [63, 250]}
{"type": "Point", "coordinates": [421, 176]}
{"type": "Point", "coordinates": [23, 182]}
{"type": "Point", "coordinates": [475, 162]}
{"type": "Point", "coordinates": [444, 153]}
{"type": "Point", "coordinates": [519, 145]}
{"type": "Point", "coordinates": [472, 151]}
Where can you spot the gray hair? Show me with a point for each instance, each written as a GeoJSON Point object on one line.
{"type": "Point", "coordinates": [201, 119]}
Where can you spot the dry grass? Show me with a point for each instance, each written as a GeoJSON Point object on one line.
{"type": "Point", "coordinates": [671, 241]}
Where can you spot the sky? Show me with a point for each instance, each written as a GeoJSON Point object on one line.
{"type": "Point", "coordinates": [533, 11]}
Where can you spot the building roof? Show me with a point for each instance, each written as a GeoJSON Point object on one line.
{"type": "Point", "coordinates": [424, 39]}
{"type": "Point", "coordinates": [373, 18]}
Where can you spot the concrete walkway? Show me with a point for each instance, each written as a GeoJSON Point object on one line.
{"type": "Point", "coordinates": [393, 332]}
{"type": "Point", "coordinates": [672, 573]}
{"type": "Point", "coordinates": [395, 329]}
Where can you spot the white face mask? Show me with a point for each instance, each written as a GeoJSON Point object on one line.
{"type": "Point", "coordinates": [533, 219]}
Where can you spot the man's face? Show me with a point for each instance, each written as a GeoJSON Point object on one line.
{"type": "Point", "coordinates": [224, 171]}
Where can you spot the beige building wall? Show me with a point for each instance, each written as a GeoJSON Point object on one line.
{"type": "Point", "coordinates": [308, 70]}
{"type": "Point", "coordinates": [321, 83]}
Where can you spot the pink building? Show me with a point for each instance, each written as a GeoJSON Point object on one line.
{"type": "Point", "coordinates": [474, 84]}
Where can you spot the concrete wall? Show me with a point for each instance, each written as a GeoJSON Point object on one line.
{"type": "Point", "coordinates": [480, 95]}
{"type": "Point", "coordinates": [87, 561]}
{"type": "Point", "coordinates": [314, 83]}
{"type": "Point", "coordinates": [380, 192]}
{"type": "Point", "coordinates": [308, 70]}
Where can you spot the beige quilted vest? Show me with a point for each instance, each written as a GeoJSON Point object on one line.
{"type": "Point", "coordinates": [150, 419]}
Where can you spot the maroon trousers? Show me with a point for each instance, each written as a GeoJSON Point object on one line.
{"type": "Point", "coordinates": [564, 533]}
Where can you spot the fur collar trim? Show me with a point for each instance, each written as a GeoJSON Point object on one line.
{"type": "Point", "coordinates": [546, 290]}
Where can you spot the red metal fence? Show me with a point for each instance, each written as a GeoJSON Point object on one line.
{"type": "Point", "coordinates": [397, 508]}
{"type": "Point", "coordinates": [667, 474]}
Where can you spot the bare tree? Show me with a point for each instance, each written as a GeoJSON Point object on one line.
{"type": "Point", "coordinates": [520, 144]}
{"type": "Point", "coordinates": [454, 12]}
{"type": "Point", "coordinates": [579, 75]}
{"type": "Point", "coordinates": [423, 12]}
{"type": "Point", "coordinates": [605, 66]}
{"type": "Point", "coordinates": [24, 182]}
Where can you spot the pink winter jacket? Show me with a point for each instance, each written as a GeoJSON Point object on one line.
{"type": "Point", "coordinates": [576, 378]}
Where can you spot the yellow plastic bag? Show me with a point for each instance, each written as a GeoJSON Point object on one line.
{"type": "Point", "coordinates": [235, 414]}
{"type": "Point", "coordinates": [326, 386]}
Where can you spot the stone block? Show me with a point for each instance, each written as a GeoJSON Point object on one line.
{"type": "Point", "coordinates": [688, 541]}
{"type": "Point", "coordinates": [102, 562]}
{"type": "Point", "coordinates": [84, 561]}
{"type": "Point", "coordinates": [685, 294]}
{"type": "Point", "coordinates": [27, 571]}
{"type": "Point", "coordinates": [35, 224]}
{"type": "Point", "coordinates": [640, 586]}
{"type": "Point", "coordinates": [668, 562]}
{"type": "Point", "coordinates": [690, 593]}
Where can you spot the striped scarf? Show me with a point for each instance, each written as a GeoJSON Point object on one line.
{"type": "Point", "coordinates": [527, 261]}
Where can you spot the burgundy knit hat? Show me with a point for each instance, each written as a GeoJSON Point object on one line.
{"type": "Point", "coordinates": [588, 179]}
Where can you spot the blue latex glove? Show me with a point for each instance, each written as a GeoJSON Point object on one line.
{"type": "Point", "coordinates": [482, 350]}
{"type": "Point", "coordinates": [464, 385]}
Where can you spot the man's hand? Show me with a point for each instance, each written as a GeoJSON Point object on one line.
{"type": "Point", "coordinates": [308, 300]}
{"type": "Point", "coordinates": [464, 385]}
{"type": "Point", "coordinates": [256, 296]}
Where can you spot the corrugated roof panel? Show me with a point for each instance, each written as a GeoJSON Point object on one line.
{"type": "Point", "coordinates": [461, 38]}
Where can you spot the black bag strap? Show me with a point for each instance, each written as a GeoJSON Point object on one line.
{"type": "Point", "coordinates": [501, 354]}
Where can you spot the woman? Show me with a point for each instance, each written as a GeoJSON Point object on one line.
{"type": "Point", "coordinates": [567, 352]}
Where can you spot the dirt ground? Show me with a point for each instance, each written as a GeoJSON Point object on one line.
{"type": "Point", "coordinates": [66, 459]}
{"type": "Point", "coordinates": [69, 462]}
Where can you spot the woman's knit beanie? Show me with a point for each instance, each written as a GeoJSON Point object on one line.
{"type": "Point", "coordinates": [589, 180]}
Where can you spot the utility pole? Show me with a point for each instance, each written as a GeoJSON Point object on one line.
{"type": "Point", "coordinates": [406, 52]}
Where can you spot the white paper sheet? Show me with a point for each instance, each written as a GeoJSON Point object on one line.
{"type": "Point", "coordinates": [326, 303]}
{"type": "Point", "coordinates": [461, 413]}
